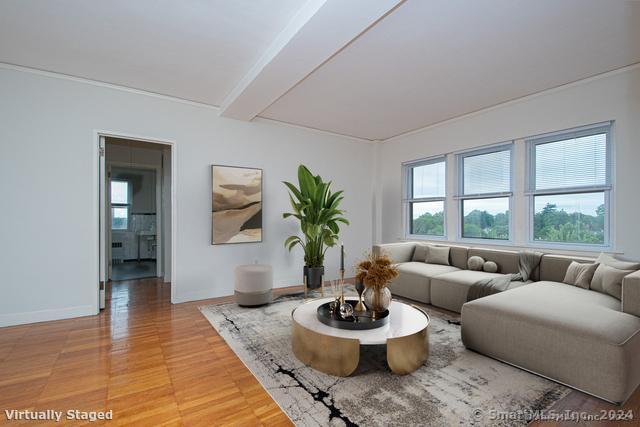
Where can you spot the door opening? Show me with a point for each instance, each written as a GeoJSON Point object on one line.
{"type": "Point", "coordinates": [135, 211]}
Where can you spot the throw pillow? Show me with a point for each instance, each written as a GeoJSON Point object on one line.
{"type": "Point", "coordinates": [611, 279]}
{"type": "Point", "coordinates": [490, 267]}
{"type": "Point", "coordinates": [420, 252]}
{"type": "Point", "coordinates": [609, 261]}
{"type": "Point", "coordinates": [438, 255]}
{"type": "Point", "coordinates": [579, 274]}
{"type": "Point", "coordinates": [475, 263]}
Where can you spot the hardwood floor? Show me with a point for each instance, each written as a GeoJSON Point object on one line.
{"type": "Point", "coordinates": [153, 363]}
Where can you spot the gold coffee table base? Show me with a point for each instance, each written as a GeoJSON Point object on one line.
{"type": "Point", "coordinates": [331, 355]}
{"type": "Point", "coordinates": [406, 354]}
{"type": "Point", "coordinates": [340, 356]}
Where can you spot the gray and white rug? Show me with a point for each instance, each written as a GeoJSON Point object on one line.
{"type": "Point", "coordinates": [454, 387]}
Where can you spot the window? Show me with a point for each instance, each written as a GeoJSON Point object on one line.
{"type": "Point", "coordinates": [484, 182]}
{"type": "Point", "coordinates": [119, 205]}
{"type": "Point", "coordinates": [569, 185]}
{"type": "Point", "coordinates": [425, 200]}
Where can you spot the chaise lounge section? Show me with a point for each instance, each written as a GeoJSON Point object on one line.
{"type": "Point", "coordinates": [584, 338]}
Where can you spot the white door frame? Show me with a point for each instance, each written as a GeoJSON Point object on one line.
{"type": "Point", "coordinates": [100, 206]}
{"type": "Point", "coordinates": [158, 184]}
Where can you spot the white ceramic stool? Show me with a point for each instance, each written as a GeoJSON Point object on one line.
{"type": "Point", "coordinates": [254, 283]}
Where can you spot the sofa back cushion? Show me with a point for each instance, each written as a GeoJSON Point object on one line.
{"type": "Point", "coordinates": [458, 256]}
{"type": "Point", "coordinates": [508, 261]}
{"type": "Point", "coordinates": [553, 268]}
{"type": "Point", "coordinates": [398, 252]}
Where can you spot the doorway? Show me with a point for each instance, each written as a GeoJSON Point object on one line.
{"type": "Point", "coordinates": [135, 210]}
{"type": "Point", "coordinates": [134, 221]}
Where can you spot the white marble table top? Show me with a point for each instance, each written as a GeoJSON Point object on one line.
{"type": "Point", "coordinates": [404, 320]}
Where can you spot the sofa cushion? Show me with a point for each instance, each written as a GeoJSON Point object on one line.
{"type": "Point", "coordinates": [398, 252]}
{"type": "Point", "coordinates": [576, 336]}
{"type": "Point", "coordinates": [610, 279]}
{"type": "Point", "coordinates": [490, 267]}
{"type": "Point", "coordinates": [579, 274]}
{"type": "Point", "coordinates": [414, 280]}
{"type": "Point", "coordinates": [458, 256]}
{"type": "Point", "coordinates": [438, 255]}
{"type": "Point", "coordinates": [475, 263]}
{"type": "Point", "coordinates": [420, 252]}
{"type": "Point", "coordinates": [449, 290]}
{"type": "Point", "coordinates": [616, 263]}
{"type": "Point", "coordinates": [508, 261]}
{"type": "Point", "coordinates": [607, 262]}
{"type": "Point", "coordinates": [553, 268]}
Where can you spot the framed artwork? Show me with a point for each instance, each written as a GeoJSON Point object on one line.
{"type": "Point", "coordinates": [236, 209]}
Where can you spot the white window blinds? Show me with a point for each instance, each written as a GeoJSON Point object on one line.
{"type": "Point", "coordinates": [428, 180]}
{"type": "Point", "coordinates": [487, 173]}
{"type": "Point", "coordinates": [572, 162]}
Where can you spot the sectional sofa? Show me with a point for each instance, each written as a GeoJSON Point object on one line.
{"type": "Point", "coordinates": [584, 338]}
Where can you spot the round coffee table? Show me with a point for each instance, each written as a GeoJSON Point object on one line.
{"type": "Point", "coordinates": [337, 351]}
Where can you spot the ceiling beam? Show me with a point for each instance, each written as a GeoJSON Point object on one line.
{"type": "Point", "coordinates": [317, 32]}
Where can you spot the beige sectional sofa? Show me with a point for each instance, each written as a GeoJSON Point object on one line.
{"type": "Point", "coordinates": [583, 338]}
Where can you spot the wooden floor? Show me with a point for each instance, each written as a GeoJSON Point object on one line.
{"type": "Point", "coordinates": [153, 363]}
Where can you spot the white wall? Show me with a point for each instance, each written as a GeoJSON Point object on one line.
{"type": "Point", "coordinates": [48, 144]}
{"type": "Point", "coordinates": [615, 96]}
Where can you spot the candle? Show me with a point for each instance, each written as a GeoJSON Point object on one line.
{"type": "Point", "coordinates": [341, 257]}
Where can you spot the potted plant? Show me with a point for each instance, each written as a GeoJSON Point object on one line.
{"type": "Point", "coordinates": [376, 272]}
{"type": "Point", "coordinates": [316, 207]}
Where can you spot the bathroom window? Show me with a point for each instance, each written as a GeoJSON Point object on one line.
{"type": "Point", "coordinates": [120, 203]}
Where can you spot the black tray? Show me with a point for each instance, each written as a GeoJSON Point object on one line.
{"type": "Point", "coordinates": [359, 322]}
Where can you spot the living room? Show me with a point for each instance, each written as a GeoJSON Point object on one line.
{"type": "Point", "coordinates": [498, 136]}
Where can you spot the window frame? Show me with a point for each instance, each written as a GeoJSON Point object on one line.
{"type": "Point", "coordinates": [121, 205]}
{"type": "Point", "coordinates": [408, 199]}
{"type": "Point", "coordinates": [531, 192]}
{"type": "Point", "coordinates": [461, 196]}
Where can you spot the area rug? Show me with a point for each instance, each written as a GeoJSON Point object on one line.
{"type": "Point", "coordinates": [455, 386]}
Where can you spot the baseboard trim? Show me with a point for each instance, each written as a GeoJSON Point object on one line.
{"type": "Point", "coordinates": [13, 319]}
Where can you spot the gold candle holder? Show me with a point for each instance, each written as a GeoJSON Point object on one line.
{"type": "Point", "coordinates": [360, 307]}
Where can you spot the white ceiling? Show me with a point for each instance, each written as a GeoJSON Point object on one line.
{"type": "Point", "coordinates": [433, 60]}
{"type": "Point", "coordinates": [196, 49]}
{"type": "Point", "coordinates": [371, 69]}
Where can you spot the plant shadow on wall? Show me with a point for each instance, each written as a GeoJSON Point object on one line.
{"type": "Point", "coordinates": [316, 207]}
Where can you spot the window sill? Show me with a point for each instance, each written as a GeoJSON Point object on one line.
{"type": "Point", "coordinates": [424, 237]}
{"type": "Point", "coordinates": [568, 249]}
{"type": "Point", "coordinates": [575, 247]}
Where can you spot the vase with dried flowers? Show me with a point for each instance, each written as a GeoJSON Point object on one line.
{"type": "Point", "coordinates": [376, 272]}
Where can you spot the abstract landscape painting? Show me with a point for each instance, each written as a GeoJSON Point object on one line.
{"type": "Point", "coordinates": [237, 205]}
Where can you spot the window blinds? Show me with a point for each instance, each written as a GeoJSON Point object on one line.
{"type": "Point", "coordinates": [572, 162]}
{"type": "Point", "coordinates": [487, 173]}
{"type": "Point", "coordinates": [428, 180]}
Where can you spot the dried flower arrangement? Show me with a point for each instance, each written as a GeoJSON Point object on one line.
{"type": "Point", "coordinates": [376, 271]}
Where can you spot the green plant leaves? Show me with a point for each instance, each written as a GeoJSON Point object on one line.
{"type": "Point", "coordinates": [316, 208]}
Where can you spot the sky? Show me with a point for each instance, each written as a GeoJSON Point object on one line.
{"type": "Point", "coordinates": [420, 209]}
{"type": "Point", "coordinates": [492, 206]}
{"type": "Point", "coordinates": [585, 203]}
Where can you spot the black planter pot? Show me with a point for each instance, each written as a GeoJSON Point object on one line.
{"type": "Point", "coordinates": [314, 276]}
